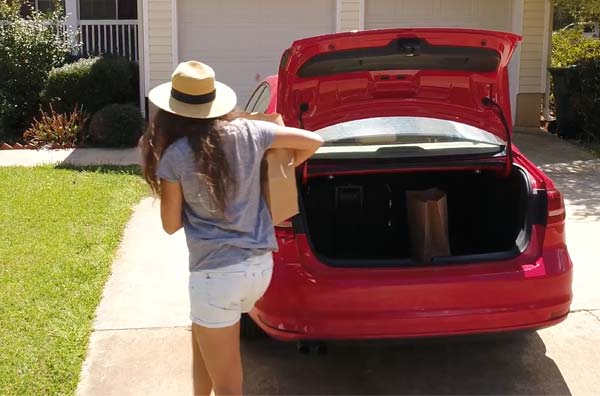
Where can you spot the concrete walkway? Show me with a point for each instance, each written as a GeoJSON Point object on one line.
{"type": "Point", "coordinates": [141, 342]}
{"type": "Point", "coordinates": [78, 157]}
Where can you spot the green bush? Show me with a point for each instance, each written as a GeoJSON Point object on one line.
{"type": "Point", "coordinates": [92, 83]}
{"type": "Point", "coordinates": [587, 99]}
{"type": "Point", "coordinates": [116, 125]}
{"type": "Point", "coordinates": [569, 47]}
{"type": "Point", "coordinates": [29, 48]}
{"type": "Point", "coordinates": [56, 130]}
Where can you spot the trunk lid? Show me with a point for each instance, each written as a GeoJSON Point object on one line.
{"type": "Point", "coordinates": [430, 73]}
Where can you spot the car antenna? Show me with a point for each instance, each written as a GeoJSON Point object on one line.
{"type": "Point", "coordinates": [491, 104]}
{"type": "Point", "coordinates": [303, 109]}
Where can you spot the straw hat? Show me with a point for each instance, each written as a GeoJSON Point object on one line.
{"type": "Point", "coordinates": [193, 92]}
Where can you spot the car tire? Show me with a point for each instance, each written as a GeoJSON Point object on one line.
{"type": "Point", "coordinates": [250, 330]}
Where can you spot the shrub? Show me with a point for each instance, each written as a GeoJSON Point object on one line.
{"type": "Point", "coordinates": [116, 125]}
{"type": "Point", "coordinates": [587, 99]}
{"type": "Point", "coordinates": [92, 83]}
{"type": "Point", "coordinates": [570, 46]}
{"type": "Point", "coordinates": [29, 48]}
{"type": "Point", "coordinates": [56, 129]}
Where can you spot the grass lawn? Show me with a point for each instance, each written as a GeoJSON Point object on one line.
{"type": "Point", "coordinates": [59, 231]}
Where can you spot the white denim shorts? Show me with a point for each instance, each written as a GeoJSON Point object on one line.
{"type": "Point", "coordinates": [219, 297]}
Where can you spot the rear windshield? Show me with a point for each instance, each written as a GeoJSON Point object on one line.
{"type": "Point", "coordinates": [402, 54]}
{"type": "Point", "coordinates": [404, 130]}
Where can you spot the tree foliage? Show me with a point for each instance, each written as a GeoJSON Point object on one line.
{"type": "Point", "coordinates": [569, 47]}
{"type": "Point", "coordinates": [581, 10]}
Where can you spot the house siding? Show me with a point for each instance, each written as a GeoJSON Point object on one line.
{"type": "Point", "coordinates": [350, 16]}
{"type": "Point", "coordinates": [532, 47]}
{"type": "Point", "coordinates": [160, 42]}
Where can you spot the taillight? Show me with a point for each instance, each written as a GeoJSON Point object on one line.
{"type": "Point", "coordinates": [285, 224]}
{"type": "Point", "coordinates": [285, 229]}
{"type": "Point", "coordinates": [556, 207]}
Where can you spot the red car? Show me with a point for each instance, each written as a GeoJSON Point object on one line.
{"type": "Point", "coordinates": [410, 109]}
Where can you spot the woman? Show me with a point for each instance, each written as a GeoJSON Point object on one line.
{"type": "Point", "coordinates": [207, 172]}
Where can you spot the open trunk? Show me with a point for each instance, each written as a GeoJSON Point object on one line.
{"type": "Point", "coordinates": [361, 220]}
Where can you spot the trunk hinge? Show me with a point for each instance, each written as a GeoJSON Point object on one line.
{"type": "Point", "coordinates": [491, 104]}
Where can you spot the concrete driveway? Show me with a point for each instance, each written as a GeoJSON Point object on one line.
{"type": "Point", "coordinates": [561, 360]}
{"type": "Point", "coordinates": [141, 342]}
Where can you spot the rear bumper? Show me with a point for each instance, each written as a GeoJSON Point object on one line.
{"type": "Point", "coordinates": [365, 304]}
{"type": "Point", "coordinates": [397, 328]}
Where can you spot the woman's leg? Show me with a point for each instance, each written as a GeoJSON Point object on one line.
{"type": "Point", "coordinates": [220, 350]}
{"type": "Point", "coordinates": [202, 382]}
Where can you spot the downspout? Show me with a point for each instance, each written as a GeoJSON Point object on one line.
{"type": "Point", "coordinates": [142, 54]}
{"type": "Point", "coordinates": [549, 20]}
{"type": "Point", "coordinates": [146, 55]}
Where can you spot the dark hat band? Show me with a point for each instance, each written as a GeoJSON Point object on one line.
{"type": "Point", "coordinates": [193, 99]}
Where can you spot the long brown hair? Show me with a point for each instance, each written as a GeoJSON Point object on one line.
{"type": "Point", "coordinates": [204, 136]}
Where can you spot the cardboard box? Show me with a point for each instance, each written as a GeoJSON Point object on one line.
{"type": "Point", "coordinates": [275, 118]}
{"type": "Point", "coordinates": [428, 222]}
{"type": "Point", "coordinates": [279, 184]}
{"type": "Point", "coordinates": [278, 174]}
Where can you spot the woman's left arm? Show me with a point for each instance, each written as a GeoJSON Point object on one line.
{"type": "Point", "coordinates": [171, 205]}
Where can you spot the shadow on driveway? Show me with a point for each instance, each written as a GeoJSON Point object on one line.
{"type": "Point", "coordinates": [513, 365]}
{"type": "Point", "coordinates": [575, 171]}
{"type": "Point", "coordinates": [579, 181]}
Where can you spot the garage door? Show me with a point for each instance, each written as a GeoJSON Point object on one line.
{"type": "Point", "coordinates": [474, 14]}
{"type": "Point", "coordinates": [244, 39]}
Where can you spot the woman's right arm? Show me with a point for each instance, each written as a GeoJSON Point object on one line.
{"type": "Point", "coordinates": [305, 143]}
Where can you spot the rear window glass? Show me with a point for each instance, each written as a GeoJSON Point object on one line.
{"type": "Point", "coordinates": [404, 130]}
{"type": "Point", "coordinates": [402, 54]}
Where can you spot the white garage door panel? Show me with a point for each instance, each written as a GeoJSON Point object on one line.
{"type": "Point", "coordinates": [243, 40]}
{"type": "Point", "coordinates": [477, 14]}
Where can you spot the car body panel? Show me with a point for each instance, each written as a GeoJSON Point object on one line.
{"type": "Point", "coordinates": [445, 94]}
{"type": "Point", "coordinates": [310, 300]}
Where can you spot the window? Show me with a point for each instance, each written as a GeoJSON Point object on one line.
{"type": "Point", "coordinates": [40, 5]}
{"type": "Point", "coordinates": [254, 98]}
{"type": "Point", "coordinates": [47, 5]}
{"type": "Point", "coordinates": [402, 54]}
{"type": "Point", "coordinates": [262, 104]}
{"type": "Point", "coordinates": [404, 130]}
{"type": "Point", "coordinates": [108, 9]}
{"type": "Point", "coordinates": [260, 99]}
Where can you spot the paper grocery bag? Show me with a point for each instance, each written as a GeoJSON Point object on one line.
{"type": "Point", "coordinates": [428, 222]}
{"type": "Point", "coordinates": [279, 184]}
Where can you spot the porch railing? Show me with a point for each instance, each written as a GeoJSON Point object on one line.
{"type": "Point", "coordinates": [116, 37]}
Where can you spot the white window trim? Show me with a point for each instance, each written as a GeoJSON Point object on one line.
{"type": "Point", "coordinates": [146, 61]}
{"type": "Point", "coordinates": [517, 27]}
{"type": "Point", "coordinates": [361, 15]}
{"type": "Point", "coordinates": [72, 12]}
{"type": "Point", "coordinates": [547, 44]}
{"type": "Point", "coordinates": [174, 33]}
{"type": "Point", "coordinates": [338, 16]}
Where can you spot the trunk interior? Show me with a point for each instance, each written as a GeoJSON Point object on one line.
{"type": "Point", "coordinates": [360, 218]}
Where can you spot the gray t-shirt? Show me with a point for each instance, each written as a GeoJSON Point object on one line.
{"type": "Point", "coordinates": [213, 241]}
